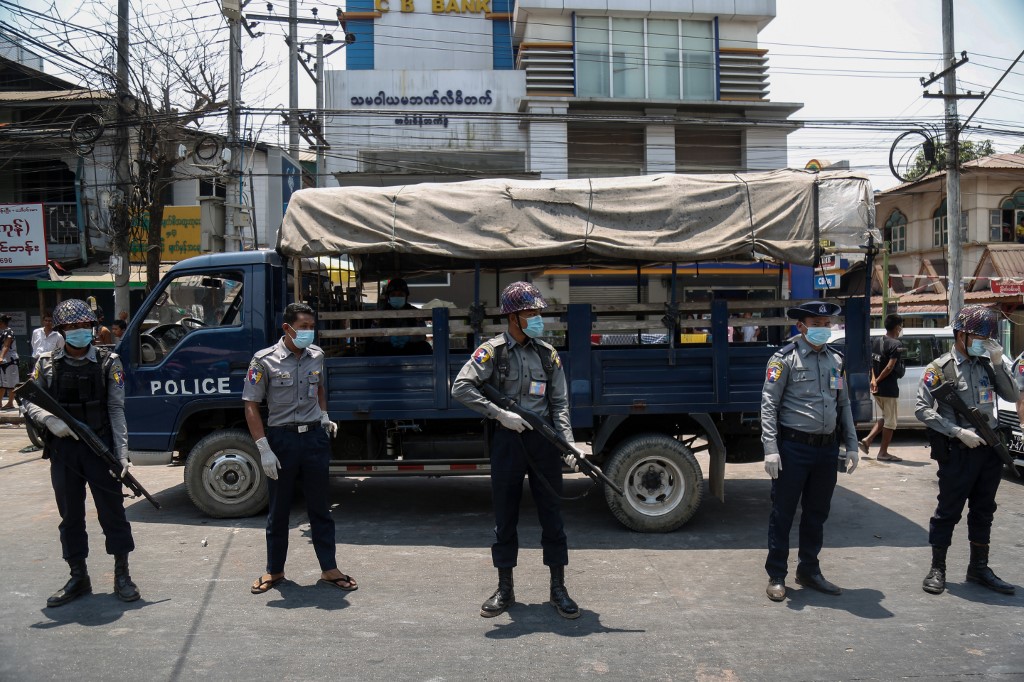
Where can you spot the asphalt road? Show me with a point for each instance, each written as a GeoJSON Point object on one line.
{"type": "Point", "coordinates": [689, 605]}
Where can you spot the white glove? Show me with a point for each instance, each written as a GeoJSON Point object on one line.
{"type": "Point", "coordinates": [329, 426]}
{"type": "Point", "coordinates": [852, 460]}
{"type": "Point", "coordinates": [268, 459]}
{"type": "Point", "coordinates": [773, 465]}
{"type": "Point", "coordinates": [58, 428]}
{"type": "Point", "coordinates": [994, 350]}
{"type": "Point", "coordinates": [969, 438]}
{"type": "Point", "coordinates": [125, 465]}
{"type": "Point", "coordinates": [512, 421]}
{"type": "Point", "coordinates": [574, 458]}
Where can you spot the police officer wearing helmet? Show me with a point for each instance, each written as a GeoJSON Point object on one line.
{"type": "Point", "coordinates": [805, 419]}
{"type": "Point", "coordinates": [969, 469]}
{"type": "Point", "coordinates": [294, 446]}
{"type": "Point", "coordinates": [89, 383]}
{"type": "Point", "coordinates": [529, 371]}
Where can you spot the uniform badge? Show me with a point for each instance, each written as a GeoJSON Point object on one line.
{"type": "Point", "coordinates": [118, 375]}
{"type": "Point", "coordinates": [255, 374]}
{"type": "Point", "coordinates": [35, 371]}
{"type": "Point", "coordinates": [931, 377]}
{"type": "Point", "coordinates": [555, 360]}
{"type": "Point", "coordinates": [482, 355]}
{"type": "Point", "coordinates": [1020, 369]}
{"type": "Point", "coordinates": [774, 372]}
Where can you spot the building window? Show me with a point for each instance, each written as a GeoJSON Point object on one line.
{"type": "Point", "coordinates": [645, 58]}
{"type": "Point", "coordinates": [700, 150]}
{"type": "Point", "coordinates": [596, 151]}
{"type": "Point", "coordinates": [212, 188]}
{"type": "Point", "coordinates": [1010, 218]}
{"type": "Point", "coordinates": [940, 227]}
{"type": "Point", "coordinates": [896, 232]}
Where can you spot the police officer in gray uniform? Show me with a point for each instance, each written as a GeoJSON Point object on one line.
{"type": "Point", "coordinates": [89, 383]}
{"type": "Point", "coordinates": [805, 418]}
{"type": "Point", "coordinates": [969, 470]}
{"type": "Point", "coordinates": [529, 371]}
{"type": "Point", "coordinates": [294, 447]}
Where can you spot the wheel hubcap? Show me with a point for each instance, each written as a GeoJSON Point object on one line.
{"type": "Point", "coordinates": [654, 486]}
{"type": "Point", "coordinates": [232, 477]}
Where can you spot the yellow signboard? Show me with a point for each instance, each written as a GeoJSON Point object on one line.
{"type": "Point", "coordinates": [180, 233]}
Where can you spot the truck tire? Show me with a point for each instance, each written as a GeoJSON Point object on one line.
{"type": "Point", "coordinates": [33, 434]}
{"type": "Point", "coordinates": [223, 476]}
{"type": "Point", "coordinates": [662, 481]}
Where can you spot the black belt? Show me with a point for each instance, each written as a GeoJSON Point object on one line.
{"type": "Point", "coordinates": [299, 427]}
{"type": "Point", "coordinates": [817, 439]}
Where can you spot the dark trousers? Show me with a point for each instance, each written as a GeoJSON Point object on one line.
{"type": "Point", "coordinates": [807, 478]}
{"type": "Point", "coordinates": [968, 475]}
{"type": "Point", "coordinates": [72, 465]}
{"type": "Point", "coordinates": [508, 466]}
{"type": "Point", "coordinates": [304, 457]}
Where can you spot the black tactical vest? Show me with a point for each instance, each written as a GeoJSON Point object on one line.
{"type": "Point", "coordinates": [82, 390]}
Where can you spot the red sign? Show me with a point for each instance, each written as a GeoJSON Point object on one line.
{"type": "Point", "coordinates": [1008, 286]}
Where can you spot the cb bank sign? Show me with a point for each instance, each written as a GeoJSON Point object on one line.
{"type": "Point", "coordinates": [436, 6]}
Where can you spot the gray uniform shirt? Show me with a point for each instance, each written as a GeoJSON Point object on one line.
{"type": "Point", "coordinates": [288, 383]}
{"type": "Point", "coordinates": [972, 384]}
{"type": "Point", "coordinates": [805, 390]}
{"type": "Point", "coordinates": [115, 392]}
{"type": "Point", "coordinates": [527, 382]}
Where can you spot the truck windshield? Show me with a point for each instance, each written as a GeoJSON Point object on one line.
{"type": "Point", "coordinates": [209, 299]}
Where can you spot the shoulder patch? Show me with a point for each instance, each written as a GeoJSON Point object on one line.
{"type": "Point", "coordinates": [557, 361]}
{"type": "Point", "coordinates": [1020, 369]}
{"type": "Point", "coordinates": [117, 373]}
{"type": "Point", "coordinates": [483, 354]}
{"type": "Point", "coordinates": [932, 376]}
{"type": "Point", "coordinates": [255, 373]}
{"type": "Point", "coordinates": [774, 371]}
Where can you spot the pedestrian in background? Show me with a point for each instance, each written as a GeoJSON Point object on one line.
{"type": "Point", "coordinates": [886, 371]}
{"type": "Point", "coordinates": [969, 468]}
{"type": "Point", "coordinates": [805, 418]}
{"type": "Point", "coordinates": [294, 446]}
{"type": "Point", "coordinates": [8, 361]}
{"type": "Point", "coordinates": [45, 339]}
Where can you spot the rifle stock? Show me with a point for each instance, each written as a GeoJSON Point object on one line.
{"type": "Point", "coordinates": [549, 432]}
{"type": "Point", "coordinates": [31, 391]}
{"type": "Point", "coordinates": [946, 392]}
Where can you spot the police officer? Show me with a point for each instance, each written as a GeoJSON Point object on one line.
{"type": "Point", "coordinates": [968, 468]}
{"type": "Point", "coordinates": [89, 383]}
{"type": "Point", "coordinates": [529, 371]}
{"type": "Point", "coordinates": [294, 446]}
{"type": "Point", "coordinates": [805, 418]}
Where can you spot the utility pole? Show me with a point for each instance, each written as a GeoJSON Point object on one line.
{"type": "Point", "coordinates": [121, 247]}
{"type": "Point", "coordinates": [320, 78]}
{"type": "Point", "coordinates": [956, 264]}
{"type": "Point", "coordinates": [293, 77]}
{"type": "Point", "coordinates": [233, 196]}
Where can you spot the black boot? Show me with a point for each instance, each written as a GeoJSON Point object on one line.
{"type": "Point", "coordinates": [979, 572]}
{"type": "Point", "coordinates": [124, 588]}
{"type": "Point", "coordinates": [502, 598]}
{"type": "Point", "coordinates": [935, 581]}
{"type": "Point", "coordinates": [78, 585]}
{"type": "Point", "coordinates": [560, 598]}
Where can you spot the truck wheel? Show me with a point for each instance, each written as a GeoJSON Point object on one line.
{"type": "Point", "coordinates": [223, 476]}
{"type": "Point", "coordinates": [662, 481]}
{"type": "Point", "coordinates": [33, 434]}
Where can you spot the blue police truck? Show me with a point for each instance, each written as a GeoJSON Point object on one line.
{"type": "Point", "coordinates": [655, 387]}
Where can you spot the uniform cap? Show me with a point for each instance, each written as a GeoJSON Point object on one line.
{"type": "Point", "coordinates": [977, 320]}
{"type": "Point", "coordinates": [521, 296]}
{"type": "Point", "coordinates": [813, 309]}
{"type": "Point", "coordinates": [72, 311]}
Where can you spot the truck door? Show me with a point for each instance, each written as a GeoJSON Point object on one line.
{"type": "Point", "coordinates": [188, 351]}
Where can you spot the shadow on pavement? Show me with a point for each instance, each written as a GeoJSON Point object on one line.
{"type": "Point", "coordinates": [90, 610]}
{"type": "Point", "coordinates": [860, 602]}
{"type": "Point", "coordinates": [315, 596]}
{"type": "Point", "coordinates": [983, 595]}
{"type": "Point", "coordinates": [528, 619]}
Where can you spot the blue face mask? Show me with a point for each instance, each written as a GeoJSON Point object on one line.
{"type": "Point", "coordinates": [977, 348]}
{"type": "Point", "coordinates": [79, 338]}
{"type": "Point", "coordinates": [818, 336]}
{"type": "Point", "coordinates": [303, 337]}
{"type": "Point", "coordinates": [534, 326]}
{"type": "Point", "coordinates": [396, 301]}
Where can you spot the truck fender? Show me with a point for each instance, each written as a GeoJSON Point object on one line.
{"type": "Point", "coordinates": [194, 407]}
{"type": "Point", "coordinates": [716, 447]}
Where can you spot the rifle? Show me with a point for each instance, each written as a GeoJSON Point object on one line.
{"type": "Point", "coordinates": [946, 392]}
{"type": "Point", "coordinates": [543, 428]}
{"type": "Point", "coordinates": [31, 391]}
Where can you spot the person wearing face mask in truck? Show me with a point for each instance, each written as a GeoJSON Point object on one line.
{"type": "Point", "coordinates": [294, 446]}
{"type": "Point", "coordinates": [529, 371]}
{"type": "Point", "coordinates": [969, 468]}
{"type": "Point", "coordinates": [396, 297]}
{"type": "Point", "coordinates": [805, 419]}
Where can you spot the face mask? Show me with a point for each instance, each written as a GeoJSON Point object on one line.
{"type": "Point", "coordinates": [79, 338]}
{"type": "Point", "coordinates": [977, 348]}
{"type": "Point", "coordinates": [303, 337]}
{"type": "Point", "coordinates": [818, 336]}
{"type": "Point", "coordinates": [396, 301]}
{"type": "Point", "coordinates": [534, 326]}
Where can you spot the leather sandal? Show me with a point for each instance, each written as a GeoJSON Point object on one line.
{"type": "Point", "coordinates": [264, 584]}
{"type": "Point", "coordinates": [345, 582]}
